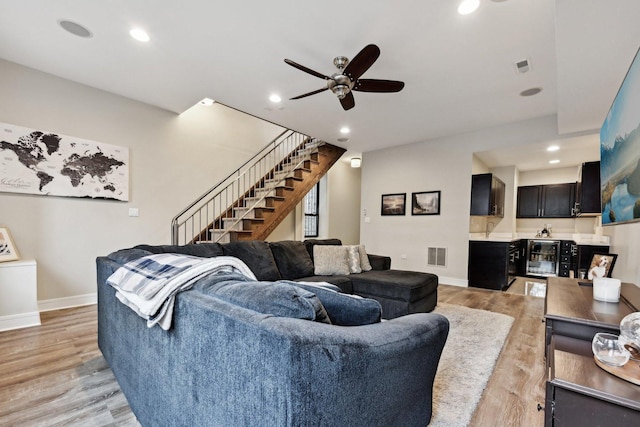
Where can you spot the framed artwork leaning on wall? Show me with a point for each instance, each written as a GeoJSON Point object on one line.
{"type": "Point", "coordinates": [8, 251]}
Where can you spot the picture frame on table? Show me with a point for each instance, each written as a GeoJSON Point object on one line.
{"type": "Point", "coordinates": [425, 203]}
{"type": "Point", "coordinates": [8, 251]}
{"type": "Point", "coordinates": [601, 265]}
{"type": "Point", "coordinates": [394, 204]}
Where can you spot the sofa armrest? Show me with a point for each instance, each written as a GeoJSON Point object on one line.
{"type": "Point", "coordinates": [379, 262]}
{"type": "Point", "coordinates": [388, 368]}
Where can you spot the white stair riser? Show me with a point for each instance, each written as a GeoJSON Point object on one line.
{"type": "Point", "coordinates": [229, 224]}
{"type": "Point", "coordinates": [225, 239]}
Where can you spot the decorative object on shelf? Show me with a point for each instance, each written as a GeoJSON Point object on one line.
{"type": "Point", "coordinates": [608, 349]}
{"type": "Point", "coordinates": [601, 265]}
{"type": "Point", "coordinates": [630, 334]}
{"type": "Point", "coordinates": [8, 251]}
{"type": "Point", "coordinates": [46, 163]}
{"type": "Point", "coordinates": [620, 152]}
{"type": "Point", "coordinates": [425, 203]}
{"type": "Point", "coordinates": [606, 289]}
{"type": "Point", "coordinates": [394, 204]}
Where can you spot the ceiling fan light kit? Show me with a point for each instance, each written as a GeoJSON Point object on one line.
{"type": "Point", "coordinates": [347, 79]}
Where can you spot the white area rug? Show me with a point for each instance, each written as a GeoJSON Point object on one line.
{"type": "Point", "coordinates": [476, 338]}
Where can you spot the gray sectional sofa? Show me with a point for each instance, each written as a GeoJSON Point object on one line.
{"type": "Point", "coordinates": [267, 351]}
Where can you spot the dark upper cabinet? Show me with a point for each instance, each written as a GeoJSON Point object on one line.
{"type": "Point", "coordinates": [588, 190]}
{"type": "Point", "coordinates": [546, 201]}
{"type": "Point", "coordinates": [487, 195]}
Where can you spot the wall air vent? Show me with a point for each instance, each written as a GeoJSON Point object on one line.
{"type": "Point", "coordinates": [437, 257]}
{"type": "Point", "coordinates": [523, 66]}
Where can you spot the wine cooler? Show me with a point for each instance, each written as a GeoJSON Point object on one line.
{"type": "Point", "coordinates": [543, 258]}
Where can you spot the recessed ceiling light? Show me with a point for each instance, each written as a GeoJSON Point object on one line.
{"type": "Point", "coordinates": [207, 102]}
{"type": "Point", "coordinates": [345, 130]}
{"type": "Point", "coordinates": [275, 98]}
{"type": "Point", "coordinates": [140, 35]}
{"type": "Point", "coordinates": [553, 148]}
{"type": "Point", "coordinates": [468, 6]}
{"type": "Point", "coordinates": [75, 28]}
{"type": "Point", "coordinates": [554, 161]}
{"type": "Point", "coordinates": [531, 92]}
{"type": "Point", "coordinates": [343, 140]}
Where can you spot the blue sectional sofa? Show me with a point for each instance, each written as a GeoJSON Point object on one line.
{"type": "Point", "coordinates": [269, 351]}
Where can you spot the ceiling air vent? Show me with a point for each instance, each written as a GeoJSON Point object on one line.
{"type": "Point", "coordinates": [523, 66]}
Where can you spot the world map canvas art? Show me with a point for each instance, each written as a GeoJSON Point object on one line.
{"type": "Point", "coordinates": [46, 163]}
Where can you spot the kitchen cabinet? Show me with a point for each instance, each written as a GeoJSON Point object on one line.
{"type": "Point", "coordinates": [568, 252]}
{"type": "Point", "coordinates": [588, 190]}
{"type": "Point", "coordinates": [487, 195]}
{"type": "Point", "coordinates": [489, 265]}
{"type": "Point", "coordinates": [546, 201]}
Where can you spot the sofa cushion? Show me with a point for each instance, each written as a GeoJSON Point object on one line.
{"type": "Point", "coordinates": [123, 256]}
{"type": "Point", "coordinates": [344, 309]}
{"type": "Point", "coordinates": [258, 257]}
{"type": "Point", "coordinates": [330, 260]}
{"type": "Point", "coordinates": [292, 259]}
{"type": "Point", "coordinates": [280, 299]}
{"type": "Point", "coordinates": [204, 250]}
{"type": "Point", "coordinates": [310, 243]}
{"type": "Point", "coordinates": [365, 265]}
{"type": "Point", "coordinates": [353, 259]}
{"type": "Point", "coordinates": [342, 282]}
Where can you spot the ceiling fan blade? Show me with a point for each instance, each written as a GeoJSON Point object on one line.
{"type": "Point", "coordinates": [375, 85]}
{"type": "Point", "coordinates": [348, 102]}
{"type": "Point", "coordinates": [362, 61]}
{"type": "Point", "coordinates": [306, 70]}
{"type": "Point", "coordinates": [309, 94]}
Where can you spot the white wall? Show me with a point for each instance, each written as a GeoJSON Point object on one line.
{"type": "Point", "coordinates": [446, 164]}
{"type": "Point", "coordinates": [173, 160]}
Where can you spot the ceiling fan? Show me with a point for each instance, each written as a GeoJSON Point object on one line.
{"type": "Point", "coordinates": [347, 79]}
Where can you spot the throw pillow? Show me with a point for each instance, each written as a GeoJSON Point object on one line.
{"type": "Point", "coordinates": [330, 260]}
{"type": "Point", "coordinates": [311, 243]}
{"type": "Point", "coordinates": [280, 299]}
{"type": "Point", "coordinates": [364, 259]}
{"type": "Point", "coordinates": [258, 257]}
{"type": "Point", "coordinates": [354, 259]}
{"type": "Point", "coordinates": [344, 309]}
{"type": "Point", "coordinates": [292, 259]}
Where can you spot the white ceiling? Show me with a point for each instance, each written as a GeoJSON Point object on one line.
{"type": "Point", "coordinates": [459, 70]}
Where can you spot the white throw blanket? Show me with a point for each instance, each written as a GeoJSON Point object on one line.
{"type": "Point", "coordinates": [149, 285]}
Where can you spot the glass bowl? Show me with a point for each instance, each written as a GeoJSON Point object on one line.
{"type": "Point", "coordinates": [609, 350]}
{"type": "Point", "coordinates": [630, 334]}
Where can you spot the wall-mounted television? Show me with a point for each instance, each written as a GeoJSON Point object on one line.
{"type": "Point", "coordinates": [620, 152]}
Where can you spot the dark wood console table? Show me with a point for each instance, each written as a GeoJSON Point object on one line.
{"type": "Point", "coordinates": [578, 392]}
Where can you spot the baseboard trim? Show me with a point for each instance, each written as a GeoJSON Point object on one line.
{"type": "Point", "coordinates": [453, 281]}
{"type": "Point", "coordinates": [19, 321]}
{"type": "Point", "coordinates": [67, 302]}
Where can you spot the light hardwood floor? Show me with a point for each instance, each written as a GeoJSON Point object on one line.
{"type": "Point", "coordinates": [54, 375]}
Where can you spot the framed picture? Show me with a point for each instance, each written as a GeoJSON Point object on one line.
{"type": "Point", "coordinates": [601, 265]}
{"type": "Point", "coordinates": [425, 203]}
{"type": "Point", "coordinates": [8, 251]}
{"type": "Point", "coordinates": [620, 153]}
{"type": "Point", "coordinates": [393, 204]}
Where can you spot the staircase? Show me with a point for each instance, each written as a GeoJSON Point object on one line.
{"type": "Point", "coordinates": [253, 200]}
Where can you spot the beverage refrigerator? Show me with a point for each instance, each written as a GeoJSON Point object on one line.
{"type": "Point", "coordinates": [543, 258]}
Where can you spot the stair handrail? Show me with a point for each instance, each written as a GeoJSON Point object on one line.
{"type": "Point", "coordinates": [230, 180]}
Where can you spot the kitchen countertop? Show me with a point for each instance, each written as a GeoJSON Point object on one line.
{"type": "Point", "coordinates": [580, 239]}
